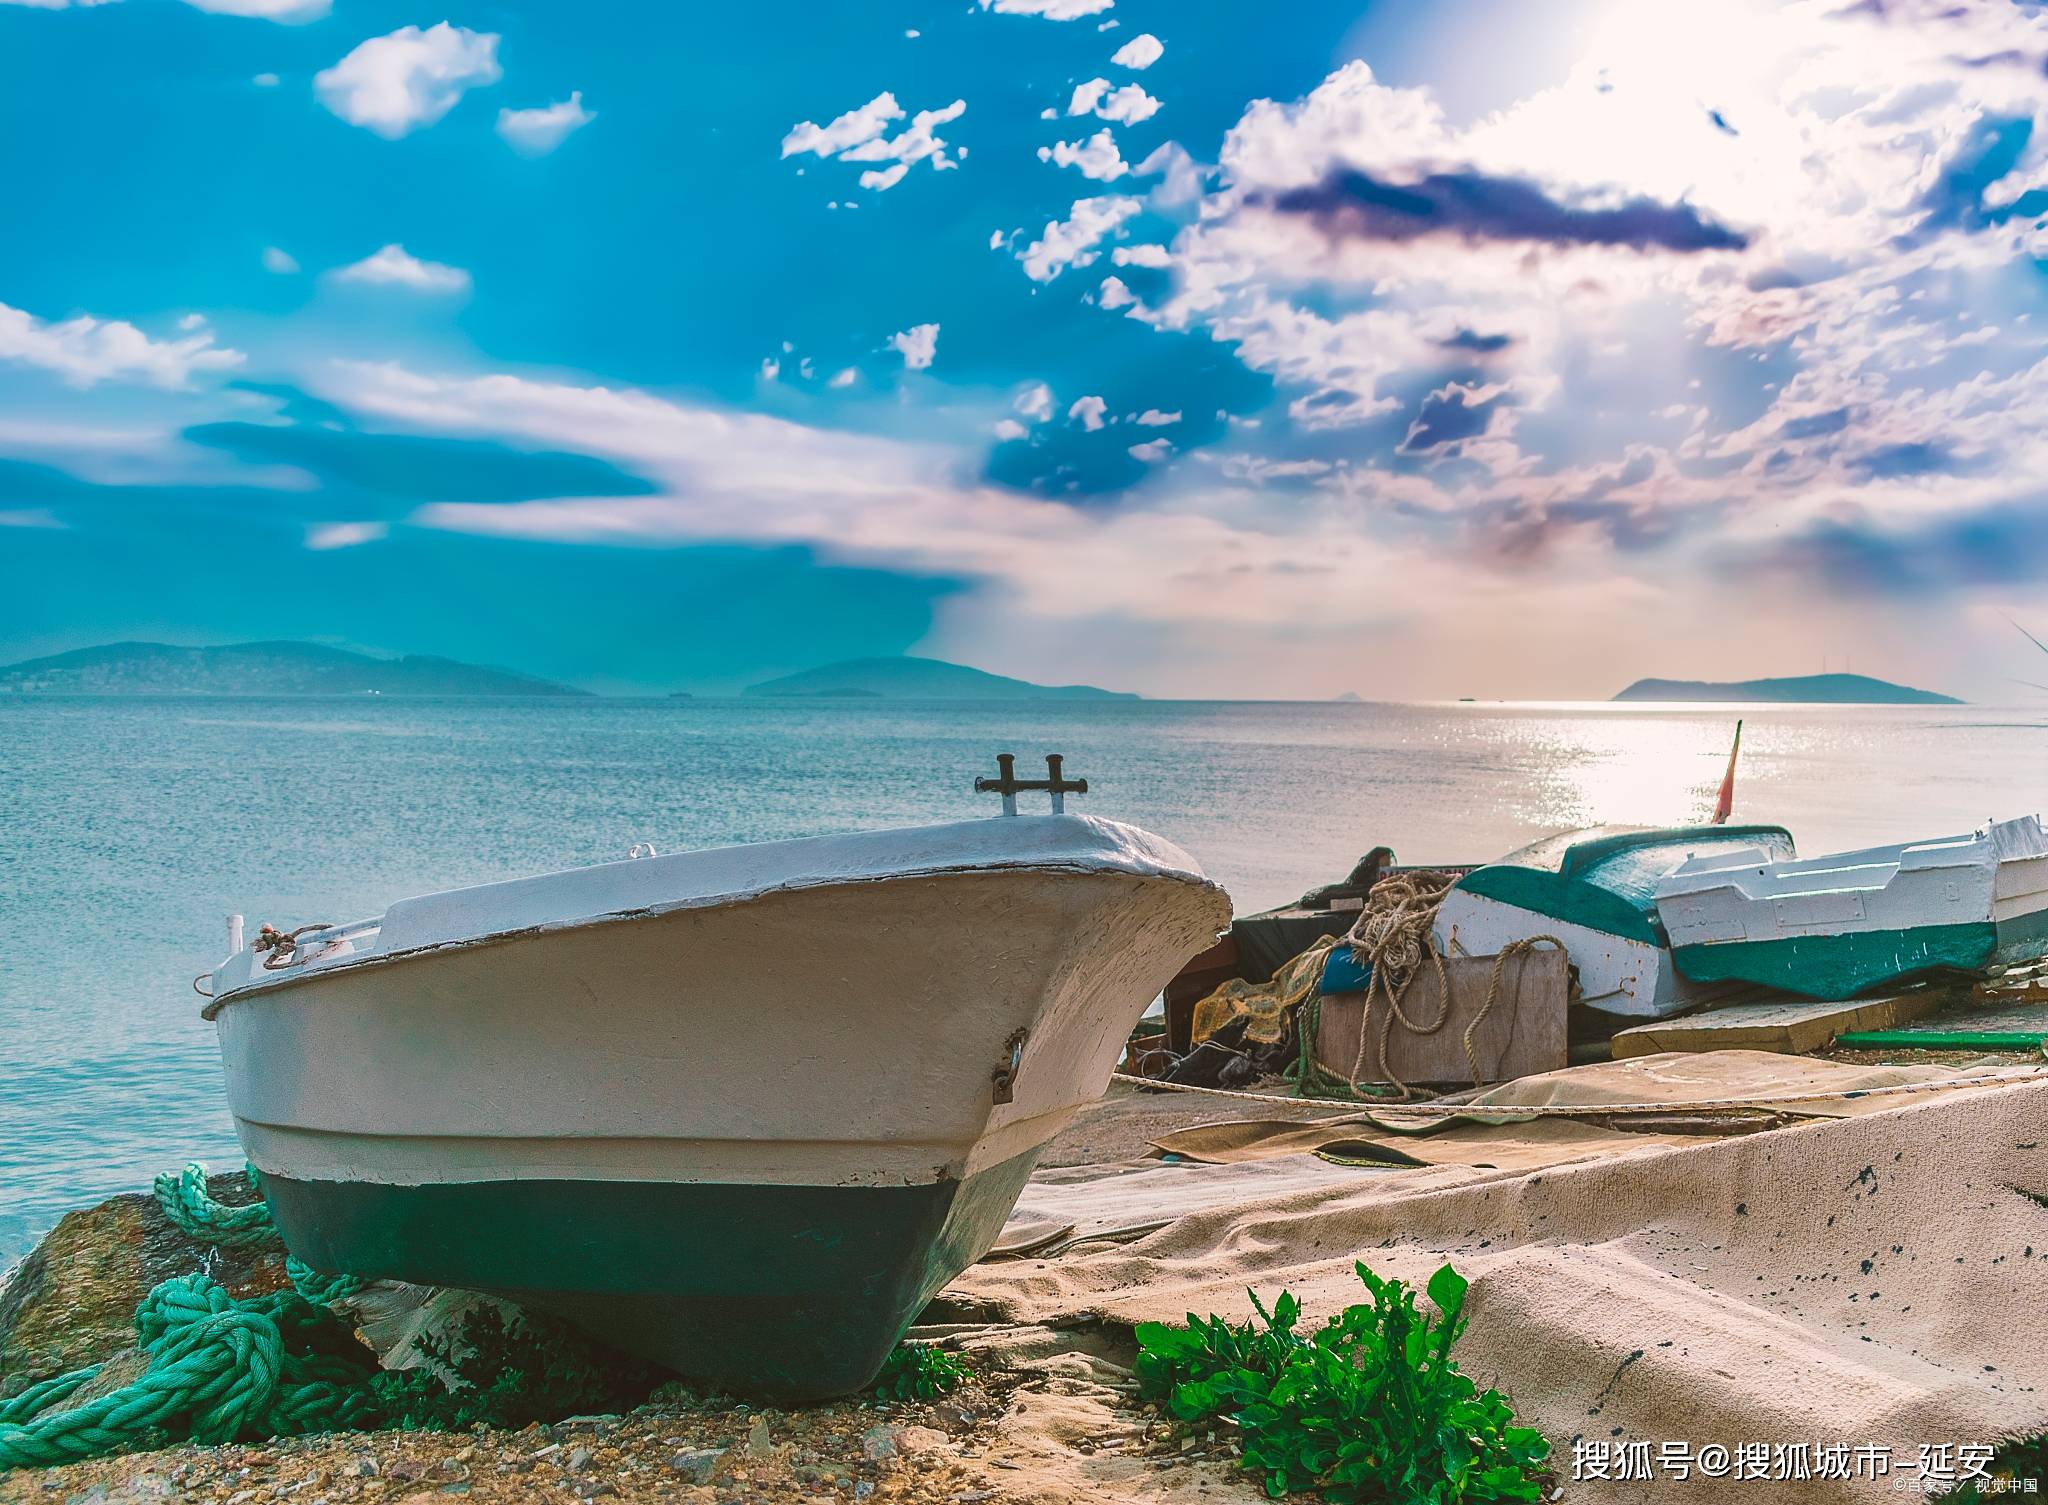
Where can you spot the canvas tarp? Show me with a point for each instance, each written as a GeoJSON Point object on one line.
{"type": "Point", "coordinates": [1873, 1280]}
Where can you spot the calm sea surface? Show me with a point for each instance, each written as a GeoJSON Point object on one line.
{"type": "Point", "coordinates": [129, 827]}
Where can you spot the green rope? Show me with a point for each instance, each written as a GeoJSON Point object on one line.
{"type": "Point", "coordinates": [186, 1202]}
{"type": "Point", "coordinates": [321, 1290]}
{"type": "Point", "coordinates": [225, 1370]}
{"type": "Point", "coordinates": [220, 1370]}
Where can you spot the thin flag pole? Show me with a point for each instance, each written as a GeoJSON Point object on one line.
{"type": "Point", "coordinates": [1724, 802]}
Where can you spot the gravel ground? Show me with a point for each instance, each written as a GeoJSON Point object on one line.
{"type": "Point", "coordinates": [949, 1451]}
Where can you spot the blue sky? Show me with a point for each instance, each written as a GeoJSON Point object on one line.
{"type": "Point", "coordinates": [1472, 348]}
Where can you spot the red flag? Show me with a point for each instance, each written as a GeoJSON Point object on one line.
{"type": "Point", "coordinates": [1724, 802]}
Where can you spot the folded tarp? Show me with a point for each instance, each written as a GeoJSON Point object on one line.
{"type": "Point", "coordinates": [1870, 1281]}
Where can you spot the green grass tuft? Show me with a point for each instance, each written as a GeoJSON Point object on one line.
{"type": "Point", "coordinates": [918, 1371]}
{"type": "Point", "coordinates": [1368, 1409]}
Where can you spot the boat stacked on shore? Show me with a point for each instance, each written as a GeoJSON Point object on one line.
{"type": "Point", "coordinates": [1658, 921]}
{"type": "Point", "coordinates": [739, 1111]}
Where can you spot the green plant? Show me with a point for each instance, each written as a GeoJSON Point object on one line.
{"type": "Point", "coordinates": [1370, 1409]}
{"type": "Point", "coordinates": [508, 1374]}
{"type": "Point", "coordinates": [918, 1371]}
{"type": "Point", "coordinates": [2017, 1460]}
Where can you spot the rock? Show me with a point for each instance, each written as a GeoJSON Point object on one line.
{"type": "Point", "coordinates": [578, 1459]}
{"type": "Point", "coordinates": [698, 1466]}
{"type": "Point", "coordinates": [759, 1444]}
{"type": "Point", "coordinates": [879, 1442]}
{"type": "Point", "coordinates": [72, 1301]}
{"type": "Point", "coordinates": [920, 1439]}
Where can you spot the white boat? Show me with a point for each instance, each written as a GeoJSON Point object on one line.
{"type": "Point", "coordinates": [1839, 926]}
{"type": "Point", "coordinates": [1592, 891]}
{"type": "Point", "coordinates": [740, 1111]}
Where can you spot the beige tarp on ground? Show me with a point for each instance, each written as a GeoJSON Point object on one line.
{"type": "Point", "coordinates": [1877, 1279]}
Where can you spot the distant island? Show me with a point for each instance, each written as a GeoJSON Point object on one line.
{"type": "Point", "coordinates": [259, 669]}
{"type": "Point", "coordinates": [1809, 689]}
{"type": "Point", "coordinates": [918, 679]}
{"type": "Point", "coordinates": [1349, 697]}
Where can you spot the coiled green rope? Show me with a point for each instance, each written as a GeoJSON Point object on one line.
{"type": "Point", "coordinates": [219, 1369]}
{"type": "Point", "coordinates": [186, 1202]}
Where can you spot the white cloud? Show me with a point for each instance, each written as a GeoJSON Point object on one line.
{"type": "Point", "coordinates": [1150, 450]}
{"type": "Point", "coordinates": [918, 344]}
{"type": "Point", "coordinates": [394, 266]}
{"type": "Point", "coordinates": [1071, 242]}
{"type": "Point", "coordinates": [1035, 402]}
{"type": "Point", "coordinates": [1008, 428]}
{"type": "Point", "coordinates": [844, 378]}
{"type": "Point", "coordinates": [1088, 411]}
{"type": "Point", "coordinates": [1141, 256]}
{"type": "Point", "coordinates": [1153, 418]}
{"type": "Point", "coordinates": [290, 12]}
{"type": "Point", "coordinates": [538, 131]}
{"type": "Point", "coordinates": [1051, 10]}
{"type": "Point", "coordinates": [84, 350]}
{"type": "Point", "coordinates": [850, 129]}
{"type": "Point", "coordinates": [265, 80]}
{"type": "Point", "coordinates": [344, 535]}
{"type": "Point", "coordinates": [1097, 157]}
{"type": "Point", "coordinates": [410, 78]}
{"type": "Point", "coordinates": [861, 136]}
{"type": "Point", "coordinates": [1139, 53]}
{"type": "Point", "coordinates": [1113, 294]}
{"type": "Point", "coordinates": [1181, 177]}
{"type": "Point", "coordinates": [770, 368]}
{"type": "Point", "coordinates": [29, 517]}
{"type": "Point", "coordinates": [1129, 105]}
{"type": "Point", "coordinates": [283, 263]}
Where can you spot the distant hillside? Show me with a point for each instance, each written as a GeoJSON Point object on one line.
{"type": "Point", "coordinates": [1812, 689]}
{"type": "Point", "coordinates": [919, 679]}
{"type": "Point", "coordinates": [259, 669]}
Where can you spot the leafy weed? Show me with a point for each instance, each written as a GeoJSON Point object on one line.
{"type": "Point", "coordinates": [1370, 1409]}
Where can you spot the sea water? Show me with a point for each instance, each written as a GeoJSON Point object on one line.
{"type": "Point", "coordinates": [131, 826]}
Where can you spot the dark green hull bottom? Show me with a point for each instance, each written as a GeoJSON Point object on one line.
{"type": "Point", "coordinates": [790, 1292]}
{"type": "Point", "coordinates": [1846, 966]}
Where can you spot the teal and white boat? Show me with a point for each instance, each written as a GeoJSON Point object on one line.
{"type": "Point", "coordinates": [1842, 925]}
{"type": "Point", "coordinates": [1595, 891]}
{"type": "Point", "coordinates": [739, 1111]}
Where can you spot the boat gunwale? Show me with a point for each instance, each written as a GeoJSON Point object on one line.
{"type": "Point", "coordinates": [295, 976]}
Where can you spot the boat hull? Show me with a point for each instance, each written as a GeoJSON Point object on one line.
{"type": "Point", "coordinates": [789, 1292]}
{"type": "Point", "coordinates": [1840, 926]}
{"type": "Point", "coordinates": [1853, 963]}
{"type": "Point", "coordinates": [746, 1140]}
{"type": "Point", "coordinates": [1632, 977]}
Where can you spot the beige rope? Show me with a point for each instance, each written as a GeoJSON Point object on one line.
{"type": "Point", "coordinates": [1395, 935]}
{"type": "Point", "coordinates": [1580, 1110]}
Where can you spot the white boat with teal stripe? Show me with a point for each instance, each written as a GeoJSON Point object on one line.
{"type": "Point", "coordinates": [1839, 926]}
{"type": "Point", "coordinates": [1594, 891]}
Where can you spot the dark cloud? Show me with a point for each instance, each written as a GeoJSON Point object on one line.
{"type": "Point", "coordinates": [2006, 544]}
{"type": "Point", "coordinates": [1474, 343]}
{"type": "Point", "coordinates": [1473, 206]}
{"type": "Point", "coordinates": [418, 469]}
{"type": "Point", "coordinates": [1447, 416]}
{"type": "Point", "coordinates": [1720, 123]}
{"type": "Point", "coordinates": [1920, 458]}
{"type": "Point", "coordinates": [1815, 425]}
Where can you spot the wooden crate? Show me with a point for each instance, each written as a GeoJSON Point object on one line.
{"type": "Point", "coordinates": [1523, 1034]}
{"type": "Point", "coordinates": [1790, 1026]}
